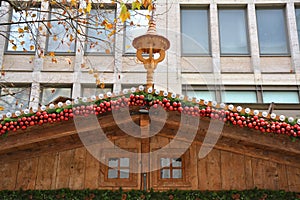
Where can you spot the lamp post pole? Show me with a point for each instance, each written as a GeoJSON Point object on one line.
{"type": "Point", "coordinates": [151, 43]}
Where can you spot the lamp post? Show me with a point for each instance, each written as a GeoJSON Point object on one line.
{"type": "Point", "coordinates": [151, 43]}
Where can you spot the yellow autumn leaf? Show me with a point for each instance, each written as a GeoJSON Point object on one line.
{"type": "Point", "coordinates": [80, 10]}
{"type": "Point", "coordinates": [32, 47]}
{"type": "Point", "coordinates": [26, 28]}
{"type": "Point", "coordinates": [73, 3]}
{"type": "Point", "coordinates": [150, 7]}
{"type": "Point", "coordinates": [14, 47]}
{"type": "Point", "coordinates": [55, 38]}
{"type": "Point", "coordinates": [51, 54]}
{"type": "Point", "coordinates": [127, 46]}
{"type": "Point", "coordinates": [107, 51]}
{"type": "Point", "coordinates": [146, 3]}
{"type": "Point", "coordinates": [98, 82]}
{"type": "Point", "coordinates": [69, 61]}
{"type": "Point", "coordinates": [1, 108]}
{"type": "Point", "coordinates": [71, 38]}
{"type": "Point", "coordinates": [20, 30]}
{"type": "Point", "coordinates": [91, 71]}
{"type": "Point", "coordinates": [89, 7]}
{"type": "Point", "coordinates": [102, 85]}
{"type": "Point", "coordinates": [49, 25]}
{"type": "Point", "coordinates": [124, 14]}
{"type": "Point", "coordinates": [136, 5]}
{"type": "Point", "coordinates": [109, 26]}
{"type": "Point", "coordinates": [53, 2]}
{"type": "Point", "coordinates": [54, 60]}
{"type": "Point", "coordinates": [111, 33]}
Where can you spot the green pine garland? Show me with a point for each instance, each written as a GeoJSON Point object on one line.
{"type": "Point", "coordinates": [254, 194]}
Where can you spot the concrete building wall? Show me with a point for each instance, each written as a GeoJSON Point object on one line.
{"type": "Point", "coordinates": [176, 71]}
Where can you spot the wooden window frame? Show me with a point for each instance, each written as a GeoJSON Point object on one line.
{"type": "Point", "coordinates": [118, 168]}
{"type": "Point", "coordinates": [132, 181]}
{"type": "Point", "coordinates": [159, 182]}
{"type": "Point", "coordinates": [171, 167]}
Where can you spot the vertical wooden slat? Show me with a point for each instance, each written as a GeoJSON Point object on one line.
{"type": "Point", "coordinates": [270, 175]}
{"type": "Point", "coordinates": [226, 166]}
{"type": "Point", "coordinates": [293, 175]}
{"type": "Point", "coordinates": [63, 168]}
{"type": "Point", "coordinates": [258, 174]}
{"type": "Point", "coordinates": [54, 175]}
{"type": "Point", "coordinates": [238, 172]}
{"type": "Point", "coordinates": [214, 170]}
{"type": "Point", "coordinates": [282, 177]}
{"type": "Point", "coordinates": [92, 170]}
{"type": "Point", "coordinates": [202, 174]}
{"type": "Point", "coordinates": [249, 183]}
{"type": "Point", "coordinates": [46, 169]}
{"type": "Point", "coordinates": [77, 169]}
{"type": "Point", "coordinates": [27, 174]}
{"type": "Point", "coordinates": [193, 179]}
{"type": "Point", "coordinates": [8, 174]}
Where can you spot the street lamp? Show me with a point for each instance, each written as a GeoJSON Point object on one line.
{"type": "Point", "coordinates": [151, 43]}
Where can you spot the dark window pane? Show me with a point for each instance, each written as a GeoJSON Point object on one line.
{"type": "Point", "coordinates": [22, 36]}
{"type": "Point", "coordinates": [271, 27]}
{"type": "Point", "coordinates": [194, 29]}
{"type": "Point", "coordinates": [62, 38]}
{"type": "Point", "coordinates": [99, 37]}
{"type": "Point", "coordinates": [233, 34]}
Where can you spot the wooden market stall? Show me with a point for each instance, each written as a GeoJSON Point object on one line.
{"type": "Point", "coordinates": [53, 156]}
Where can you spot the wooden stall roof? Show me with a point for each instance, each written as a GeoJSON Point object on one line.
{"type": "Point", "coordinates": [60, 136]}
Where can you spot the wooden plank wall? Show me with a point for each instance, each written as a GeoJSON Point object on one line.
{"type": "Point", "coordinates": [220, 170]}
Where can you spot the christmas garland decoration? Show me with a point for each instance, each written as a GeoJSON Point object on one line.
{"type": "Point", "coordinates": [66, 194]}
{"type": "Point", "coordinates": [97, 105]}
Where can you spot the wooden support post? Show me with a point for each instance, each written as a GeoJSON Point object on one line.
{"type": "Point", "coordinates": [145, 149]}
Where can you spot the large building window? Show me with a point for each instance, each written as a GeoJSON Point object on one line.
{"type": "Point", "coordinates": [136, 26]}
{"type": "Point", "coordinates": [239, 96]}
{"type": "Point", "coordinates": [49, 94]}
{"type": "Point", "coordinates": [22, 36]}
{"type": "Point", "coordinates": [62, 38]}
{"type": "Point", "coordinates": [280, 97]}
{"type": "Point", "coordinates": [14, 98]}
{"type": "Point", "coordinates": [233, 31]}
{"type": "Point", "coordinates": [100, 36]}
{"type": "Point", "coordinates": [194, 29]}
{"type": "Point", "coordinates": [272, 31]}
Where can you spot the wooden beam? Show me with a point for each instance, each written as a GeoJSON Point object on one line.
{"type": "Point", "coordinates": [46, 132]}
{"type": "Point", "coordinates": [279, 143]}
